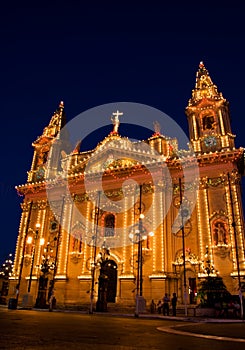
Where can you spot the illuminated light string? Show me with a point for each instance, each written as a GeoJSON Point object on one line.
{"type": "Point", "coordinates": [20, 241]}
{"type": "Point", "coordinates": [154, 239]}
{"type": "Point", "coordinates": [125, 232]}
{"type": "Point", "coordinates": [239, 221]}
{"type": "Point", "coordinates": [69, 224]}
{"type": "Point", "coordinates": [132, 244]}
{"type": "Point", "coordinates": [229, 209]}
{"type": "Point", "coordinates": [41, 218]}
{"type": "Point", "coordinates": [162, 204]}
{"type": "Point", "coordinates": [65, 238]}
{"type": "Point", "coordinates": [195, 126]}
{"type": "Point", "coordinates": [85, 247]}
{"type": "Point", "coordinates": [38, 229]}
{"type": "Point", "coordinates": [198, 203]}
{"type": "Point", "coordinates": [62, 219]}
{"type": "Point", "coordinates": [207, 225]}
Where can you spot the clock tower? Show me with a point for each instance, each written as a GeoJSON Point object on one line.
{"type": "Point", "coordinates": [208, 116]}
{"type": "Point", "coordinates": [43, 145]}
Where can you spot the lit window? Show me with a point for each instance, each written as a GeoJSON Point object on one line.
{"type": "Point", "coordinates": [109, 225]}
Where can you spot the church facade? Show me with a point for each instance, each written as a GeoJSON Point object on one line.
{"type": "Point", "coordinates": [178, 221]}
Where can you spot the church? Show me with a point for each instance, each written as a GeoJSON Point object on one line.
{"type": "Point", "coordinates": [132, 220]}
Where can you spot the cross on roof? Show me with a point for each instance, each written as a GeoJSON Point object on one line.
{"type": "Point", "coordinates": [115, 120]}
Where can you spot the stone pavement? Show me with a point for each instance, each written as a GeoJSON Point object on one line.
{"type": "Point", "coordinates": [148, 315]}
{"type": "Point", "coordinates": [205, 328]}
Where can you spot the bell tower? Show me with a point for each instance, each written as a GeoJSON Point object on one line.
{"type": "Point", "coordinates": [208, 116]}
{"type": "Point", "coordinates": [43, 145]}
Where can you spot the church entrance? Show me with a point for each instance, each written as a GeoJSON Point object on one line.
{"type": "Point", "coordinates": [192, 290]}
{"type": "Point", "coordinates": [111, 272]}
{"type": "Point", "coordinates": [42, 293]}
{"type": "Point", "coordinates": [107, 285]}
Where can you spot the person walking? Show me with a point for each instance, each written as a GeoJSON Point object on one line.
{"type": "Point", "coordinates": [153, 307]}
{"type": "Point", "coordinates": [166, 301]}
{"type": "Point", "coordinates": [174, 303]}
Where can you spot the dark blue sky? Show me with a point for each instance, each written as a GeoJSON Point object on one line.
{"type": "Point", "coordinates": [89, 53]}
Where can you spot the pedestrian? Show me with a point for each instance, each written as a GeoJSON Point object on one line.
{"type": "Point", "coordinates": [153, 307]}
{"type": "Point", "coordinates": [218, 308]}
{"type": "Point", "coordinates": [52, 300]}
{"type": "Point", "coordinates": [166, 301]}
{"type": "Point", "coordinates": [174, 303]}
{"type": "Point", "coordinates": [225, 309]}
{"type": "Point", "coordinates": [17, 290]}
{"type": "Point", "coordinates": [236, 311]}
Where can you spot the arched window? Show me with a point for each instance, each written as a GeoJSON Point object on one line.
{"type": "Point", "coordinates": [109, 225]}
{"type": "Point", "coordinates": [208, 122]}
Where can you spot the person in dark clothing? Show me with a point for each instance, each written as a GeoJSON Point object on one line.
{"type": "Point", "coordinates": [153, 307]}
{"type": "Point", "coordinates": [174, 303]}
{"type": "Point", "coordinates": [166, 301]}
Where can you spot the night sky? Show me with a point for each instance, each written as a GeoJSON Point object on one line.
{"type": "Point", "coordinates": [89, 53]}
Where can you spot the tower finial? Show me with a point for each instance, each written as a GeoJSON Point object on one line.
{"type": "Point", "coordinates": [201, 64]}
{"type": "Point", "coordinates": [204, 87]}
{"type": "Point", "coordinates": [115, 121]}
{"type": "Point", "coordinates": [157, 127]}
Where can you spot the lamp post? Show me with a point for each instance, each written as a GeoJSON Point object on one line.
{"type": "Point", "coordinates": [103, 257]}
{"type": "Point", "coordinates": [55, 265]}
{"type": "Point", "coordinates": [29, 241]}
{"type": "Point", "coordinates": [208, 267]}
{"type": "Point", "coordinates": [52, 298]}
{"type": "Point", "coordinates": [96, 222]}
{"type": "Point", "coordinates": [46, 265]}
{"type": "Point", "coordinates": [138, 234]}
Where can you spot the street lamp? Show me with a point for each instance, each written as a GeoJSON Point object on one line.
{"type": "Point", "coordinates": [104, 253]}
{"type": "Point", "coordinates": [94, 239]}
{"type": "Point", "coordinates": [138, 234]}
{"type": "Point", "coordinates": [208, 267]}
{"type": "Point", "coordinates": [52, 298]}
{"type": "Point", "coordinates": [103, 262]}
{"type": "Point", "coordinates": [29, 241]}
{"type": "Point", "coordinates": [47, 265]}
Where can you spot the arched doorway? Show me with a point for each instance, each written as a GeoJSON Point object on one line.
{"type": "Point", "coordinates": [107, 285]}
{"type": "Point", "coordinates": [192, 290]}
{"type": "Point", "coordinates": [110, 269]}
{"type": "Point", "coordinates": [42, 292]}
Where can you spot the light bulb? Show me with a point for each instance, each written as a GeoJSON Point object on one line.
{"type": "Point", "coordinates": [29, 240]}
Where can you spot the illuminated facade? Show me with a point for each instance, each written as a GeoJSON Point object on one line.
{"type": "Point", "coordinates": [73, 252]}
